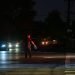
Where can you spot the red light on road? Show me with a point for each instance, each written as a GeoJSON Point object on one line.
{"type": "Point", "coordinates": [43, 43]}
{"type": "Point", "coordinates": [46, 42]}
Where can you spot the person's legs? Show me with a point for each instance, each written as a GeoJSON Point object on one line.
{"type": "Point", "coordinates": [29, 52]}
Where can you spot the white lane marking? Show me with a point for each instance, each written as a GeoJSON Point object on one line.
{"type": "Point", "coordinates": [69, 71]}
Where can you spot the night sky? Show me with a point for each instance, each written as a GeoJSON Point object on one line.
{"type": "Point", "coordinates": [44, 6]}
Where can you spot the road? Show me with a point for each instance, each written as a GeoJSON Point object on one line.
{"type": "Point", "coordinates": [39, 64]}
{"type": "Point", "coordinates": [38, 60]}
{"type": "Point", "coordinates": [36, 57]}
{"type": "Point", "coordinates": [46, 57]}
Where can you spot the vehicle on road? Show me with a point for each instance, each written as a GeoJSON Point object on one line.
{"type": "Point", "coordinates": [48, 44]}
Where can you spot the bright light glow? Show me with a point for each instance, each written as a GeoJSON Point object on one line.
{"type": "Point", "coordinates": [17, 45]}
{"type": "Point", "coordinates": [54, 41]}
{"type": "Point", "coordinates": [9, 45]}
{"type": "Point", "coordinates": [17, 50]}
{"type": "Point", "coordinates": [3, 52]}
{"type": "Point", "coordinates": [43, 43]}
{"type": "Point", "coordinates": [10, 50]}
{"type": "Point", "coordinates": [3, 46]}
{"type": "Point", "coordinates": [46, 42]}
{"type": "Point", "coordinates": [3, 55]}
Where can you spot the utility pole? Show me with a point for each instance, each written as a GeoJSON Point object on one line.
{"type": "Point", "coordinates": [69, 35]}
{"type": "Point", "coordinates": [68, 13]}
{"type": "Point", "coordinates": [69, 26]}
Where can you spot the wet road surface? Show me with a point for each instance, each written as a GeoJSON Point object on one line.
{"type": "Point", "coordinates": [10, 61]}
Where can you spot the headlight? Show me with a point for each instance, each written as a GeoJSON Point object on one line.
{"type": "Point", "coordinates": [9, 45]}
{"type": "Point", "coordinates": [3, 45]}
{"type": "Point", "coordinates": [17, 45]}
{"type": "Point", "coordinates": [54, 41]}
{"type": "Point", "coordinates": [47, 42]}
{"type": "Point", "coordinates": [43, 42]}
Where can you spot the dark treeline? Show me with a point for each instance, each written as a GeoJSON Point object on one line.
{"type": "Point", "coordinates": [17, 18]}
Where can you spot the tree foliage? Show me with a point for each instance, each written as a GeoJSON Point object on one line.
{"type": "Point", "coordinates": [54, 24]}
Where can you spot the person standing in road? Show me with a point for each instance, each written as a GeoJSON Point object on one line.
{"type": "Point", "coordinates": [27, 46]}
{"type": "Point", "coordinates": [30, 42]}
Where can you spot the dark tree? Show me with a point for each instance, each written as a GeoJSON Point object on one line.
{"type": "Point", "coordinates": [54, 25]}
{"type": "Point", "coordinates": [38, 28]}
{"type": "Point", "coordinates": [16, 16]}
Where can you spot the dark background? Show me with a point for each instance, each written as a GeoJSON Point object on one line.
{"type": "Point", "coordinates": [38, 17]}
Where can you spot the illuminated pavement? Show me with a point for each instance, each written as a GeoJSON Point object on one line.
{"type": "Point", "coordinates": [8, 60]}
{"type": "Point", "coordinates": [6, 57]}
{"type": "Point", "coordinates": [16, 64]}
{"type": "Point", "coordinates": [36, 57]}
{"type": "Point", "coordinates": [39, 61]}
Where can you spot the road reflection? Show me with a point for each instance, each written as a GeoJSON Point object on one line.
{"type": "Point", "coordinates": [6, 57]}
{"type": "Point", "coordinates": [3, 55]}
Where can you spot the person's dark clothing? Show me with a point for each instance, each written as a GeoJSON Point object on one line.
{"type": "Point", "coordinates": [27, 52]}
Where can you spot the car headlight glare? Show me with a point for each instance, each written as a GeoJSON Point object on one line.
{"type": "Point", "coordinates": [17, 45]}
{"type": "Point", "coordinates": [43, 42]}
{"type": "Point", "coordinates": [3, 46]}
{"type": "Point", "coordinates": [9, 45]}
